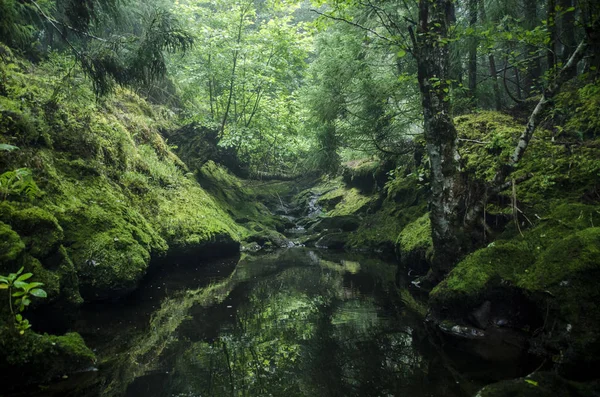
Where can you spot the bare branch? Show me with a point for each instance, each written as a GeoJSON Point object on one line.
{"type": "Point", "coordinates": [353, 24]}
{"type": "Point", "coordinates": [536, 116]}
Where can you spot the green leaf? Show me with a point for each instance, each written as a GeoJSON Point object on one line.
{"type": "Point", "coordinates": [531, 382]}
{"type": "Point", "coordinates": [39, 293]}
{"type": "Point", "coordinates": [30, 286]}
{"type": "Point", "coordinates": [25, 276]}
{"type": "Point", "coordinates": [18, 294]}
{"type": "Point", "coordinates": [19, 318]}
{"type": "Point", "coordinates": [401, 54]}
{"type": "Point", "coordinates": [7, 147]}
{"type": "Point", "coordinates": [3, 286]}
{"type": "Point", "coordinates": [20, 284]}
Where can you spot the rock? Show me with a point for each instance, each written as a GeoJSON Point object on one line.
{"type": "Point", "coordinates": [493, 344]}
{"type": "Point", "coordinates": [33, 357]}
{"type": "Point", "coordinates": [346, 223]}
{"type": "Point", "coordinates": [414, 245]}
{"type": "Point", "coordinates": [540, 384]}
{"type": "Point", "coordinates": [332, 241]}
{"type": "Point", "coordinates": [250, 247]}
{"type": "Point", "coordinates": [480, 317]}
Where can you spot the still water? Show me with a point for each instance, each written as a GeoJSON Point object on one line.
{"type": "Point", "coordinates": [295, 322]}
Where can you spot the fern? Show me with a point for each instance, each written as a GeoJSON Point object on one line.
{"type": "Point", "coordinates": [18, 182]}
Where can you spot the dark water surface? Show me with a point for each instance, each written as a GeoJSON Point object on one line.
{"type": "Point", "coordinates": [296, 322]}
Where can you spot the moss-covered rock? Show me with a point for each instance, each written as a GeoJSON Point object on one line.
{"type": "Point", "coordinates": [414, 245]}
{"type": "Point", "coordinates": [346, 223]}
{"type": "Point", "coordinates": [33, 357]}
{"type": "Point", "coordinates": [367, 175]}
{"type": "Point", "coordinates": [547, 275]}
{"type": "Point", "coordinates": [39, 229]}
{"type": "Point", "coordinates": [11, 245]}
{"type": "Point", "coordinates": [335, 241]}
{"type": "Point", "coordinates": [115, 194]}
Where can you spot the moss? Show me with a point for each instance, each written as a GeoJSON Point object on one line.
{"type": "Point", "coordinates": [38, 358]}
{"type": "Point", "coordinates": [353, 202]}
{"type": "Point", "coordinates": [562, 244]}
{"type": "Point", "coordinates": [579, 252]}
{"type": "Point", "coordinates": [482, 271]}
{"type": "Point", "coordinates": [367, 174]}
{"type": "Point", "coordinates": [38, 228]}
{"type": "Point", "coordinates": [240, 199]}
{"type": "Point", "coordinates": [109, 262]}
{"type": "Point", "coordinates": [559, 165]}
{"type": "Point", "coordinates": [50, 279]}
{"type": "Point", "coordinates": [115, 193]}
{"type": "Point", "coordinates": [416, 236]}
{"type": "Point", "coordinates": [11, 245]}
{"type": "Point", "coordinates": [552, 267]}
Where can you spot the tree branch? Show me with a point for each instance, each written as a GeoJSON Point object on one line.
{"type": "Point", "coordinates": [353, 24]}
{"type": "Point", "coordinates": [536, 116]}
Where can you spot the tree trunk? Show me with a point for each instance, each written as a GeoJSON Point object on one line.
{"type": "Point", "coordinates": [567, 32]}
{"type": "Point", "coordinates": [533, 67]}
{"type": "Point", "coordinates": [432, 55]}
{"type": "Point", "coordinates": [473, 49]}
{"type": "Point", "coordinates": [551, 53]}
{"type": "Point", "coordinates": [492, 65]}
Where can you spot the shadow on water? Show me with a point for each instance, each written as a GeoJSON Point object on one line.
{"type": "Point", "coordinates": [296, 322]}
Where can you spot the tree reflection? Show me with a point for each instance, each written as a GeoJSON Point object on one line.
{"type": "Point", "coordinates": [304, 332]}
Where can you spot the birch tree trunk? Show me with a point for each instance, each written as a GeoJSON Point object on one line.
{"type": "Point", "coordinates": [446, 205]}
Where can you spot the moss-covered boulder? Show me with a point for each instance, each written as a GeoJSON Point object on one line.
{"type": "Point", "coordinates": [367, 175]}
{"type": "Point", "coordinates": [38, 228]}
{"type": "Point", "coordinates": [11, 245]}
{"type": "Point", "coordinates": [546, 276]}
{"type": "Point", "coordinates": [346, 223]}
{"type": "Point", "coordinates": [335, 241]}
{"type": "Point", "coordinates": [33, 357]}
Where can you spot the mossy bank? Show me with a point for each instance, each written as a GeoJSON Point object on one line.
{"type": "Point", "coordinates": [112, 197]}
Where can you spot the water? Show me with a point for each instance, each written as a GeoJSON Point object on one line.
{"type": "Point", "coordinates": [296, 322]}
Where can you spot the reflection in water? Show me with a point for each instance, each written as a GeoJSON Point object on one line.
{"type": "Point", "coordinates": [296, 322]}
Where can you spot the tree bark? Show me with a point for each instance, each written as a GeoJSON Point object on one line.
{"type": "Point", "coordinates": [492, 65]}
{"type": "Point", "coordinates": [534, 69]}
{"type": "Point", "coordinates": [551, 53]}
{"type": "Point", "coordinates": [473, 49]}
{"type": "Point", "coordinates": [432, 55]}
{"type": "Point", "coordinates": [567, 32]}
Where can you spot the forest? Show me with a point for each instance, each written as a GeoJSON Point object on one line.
{"type": "Point", "coordinates": [299, 198]}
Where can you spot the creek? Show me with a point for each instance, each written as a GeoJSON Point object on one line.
{"type": "Point", "coordinates": [292, 322]}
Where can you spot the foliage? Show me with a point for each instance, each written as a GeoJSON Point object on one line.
{"type": "Point", "coordinates": [19, 288]}
{"type": "Point", "coordinates": [243, 76]}
{"type": "Point", "coordinates": [109, 48]}
{"type": "Point", "coordinates": [18, 182]}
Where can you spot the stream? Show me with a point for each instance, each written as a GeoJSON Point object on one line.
{"type": "Point", "coordinates": [293, 322]}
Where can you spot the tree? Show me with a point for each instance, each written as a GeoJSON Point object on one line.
{"type": "Point", "coordinates": [457, 201]}
{"type": "Point", "coordinates": [243, 77]}
{"type": "Point", "coordinates": [110, 50]}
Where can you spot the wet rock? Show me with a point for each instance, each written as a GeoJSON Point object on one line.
{"type": "Point", "coordinates": [270, 238]}
{"type": "Point", "coordinates": [32, 357]}
{"type": "Point", "coordinates": [540, 384]}
{"type": "Point", "coordinates": [332, 241]}
{"type": "Point", "coordinates": [480, 317]}
{"type": "Point", "coordinates": [250, 247]}
{"type": "Point", "coordinates": [346, 223]}
{"type": "Point", "coordinates": [491, 345]}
